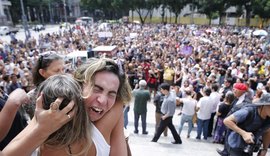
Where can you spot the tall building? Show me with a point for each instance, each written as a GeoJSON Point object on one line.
{"type": "Point", "coordinates": [5, 17]}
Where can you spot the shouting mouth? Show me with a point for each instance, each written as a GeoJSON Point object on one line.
{"type": "Point", "coordinates": [97, 110]}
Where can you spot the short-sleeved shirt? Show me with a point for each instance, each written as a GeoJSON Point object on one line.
{"type": "Point", "coordinates": [250, 123]}
{"type": "Point", "coordinates": [223, 109]}
{"type": "Point", "coordinates": [206, 106]}
{"type": "Point", "coordinates": [242, 115]}
{"type": "Point", "coordinates": [189, 105]}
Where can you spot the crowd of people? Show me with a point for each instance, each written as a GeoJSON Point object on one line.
{"type": "Point", "coordinates": [212, 72]}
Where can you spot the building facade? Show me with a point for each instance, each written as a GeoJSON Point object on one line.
{"type": "Point", "coordinates": [5, 17]}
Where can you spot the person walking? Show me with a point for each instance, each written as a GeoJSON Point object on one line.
{"type": "Point", "coordinates": [188, 110]}
{"type": "Point", "coordinates": [168, 110]}
{"type": "Point", "coordinates": [158, 100]}
{"type": "Point", "coordinates": [141, 96]}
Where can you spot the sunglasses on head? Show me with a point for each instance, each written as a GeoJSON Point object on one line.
{"type": "Point", "coordinates": [45, 56]}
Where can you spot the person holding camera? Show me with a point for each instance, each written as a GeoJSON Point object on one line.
{"type": "Point", "coordinates": [247, 126]}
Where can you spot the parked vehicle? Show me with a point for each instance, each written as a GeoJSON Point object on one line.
{"type": "Point", "coordinates": [38, 27]}
{"type": "Point", "coordinates": [5, 30]}
{"type": "Point", "coordinates": [84, 21]}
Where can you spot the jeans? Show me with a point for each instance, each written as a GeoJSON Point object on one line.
{"type": "Point", "coordinates": [136, 120]}
{"type": "Point", "coordinates": [126, 110]}
{"type": "Point", "coordinates": [202, 127]}
{"type": "Point", "coordinates": [188, 119]}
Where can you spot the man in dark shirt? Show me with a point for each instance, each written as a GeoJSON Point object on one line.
{"type": "Point", "coordinates": [141, 96]}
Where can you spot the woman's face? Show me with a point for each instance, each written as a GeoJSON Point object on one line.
{"type": "Point", "coordinates": [56, 67]}
{"type": "Point", "coordinates": [103, 95]}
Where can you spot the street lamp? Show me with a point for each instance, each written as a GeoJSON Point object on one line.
{"type": "Point", "coordinates": [25, 25]}
{"type": "Point", "coordinates": [65, 10]}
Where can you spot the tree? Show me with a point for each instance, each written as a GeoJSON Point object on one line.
{"type": "Point", "coordinates": [209, 8]}
{"type": "Point", "coordinates": [176, 6]}
{"type": "Point", "coordinates": [143, 8]}
{"type": "Point", "coordinates": [247, 5]}
{"type": "Point", "coordinates": [262, 9]}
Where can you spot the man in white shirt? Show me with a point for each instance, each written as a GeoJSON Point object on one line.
{"type": "Point", "coordinates": [215, 96]}
{"type": "Point", "coordinates": [204, 110]}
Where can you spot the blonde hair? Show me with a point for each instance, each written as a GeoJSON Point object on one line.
{"type": "Point", "coordinates": [85, 74]}
{"type": "Point", "coordinates": [79, 128]}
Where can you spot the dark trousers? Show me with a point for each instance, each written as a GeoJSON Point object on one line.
{"type": "Point", "coordinates": [211, 124]}
{"type": "Point", "coordinates": [167, 123]}
{"type": "Point", "coordinates": [136, 120]}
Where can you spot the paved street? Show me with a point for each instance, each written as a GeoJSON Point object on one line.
{"type": "Point", "coordinates": [141, 145]}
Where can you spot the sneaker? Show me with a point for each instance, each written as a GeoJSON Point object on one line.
{"type": "Point", "coordinates": [145, 132]}
{"type": "Point", "coordinates": [188, 136]}
{"type": "Point", "coordinates": [136, 131]}
{"type": "Point", "coordinates": [198, 138]}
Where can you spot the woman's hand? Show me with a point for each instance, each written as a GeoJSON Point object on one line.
{"type": "Point", "coordinates": [48, 121]}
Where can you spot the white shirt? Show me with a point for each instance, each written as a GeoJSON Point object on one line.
{"type": "Point", "coordinates": [206, 106]}
{"type": "Point", "coordinates": [240, 99]}
{"type": "Point", "coordinates": [189, 105]}
{"type": "Point", "coordinates": [215, 96]}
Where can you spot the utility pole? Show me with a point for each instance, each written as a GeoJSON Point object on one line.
{"type": "Point", "coordinates": [25, 24]}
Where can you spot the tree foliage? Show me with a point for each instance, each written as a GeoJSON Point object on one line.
{"type": "Point", "coordinates": [113, 9]}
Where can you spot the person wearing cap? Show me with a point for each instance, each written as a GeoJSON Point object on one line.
{"type": "Point", "coordinates": [246, 126]}
{"type": "Point", "coordinates": [141, 96]}
{"type": "Point", "coordinates": [239, 90]}
{"type": "Point", "coordinates": [168, 109]}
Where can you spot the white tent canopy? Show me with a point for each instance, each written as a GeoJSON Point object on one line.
{"type": "Point", "coordinates": [77, 54]}
{"type": "Point", "coordinates": [105, 48]}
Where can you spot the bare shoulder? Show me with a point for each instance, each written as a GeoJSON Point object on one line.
{"type": "Point", "coordinates": [110, 120]}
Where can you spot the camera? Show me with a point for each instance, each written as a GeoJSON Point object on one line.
{"type": "Point", "coordinates": [250, 148]}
